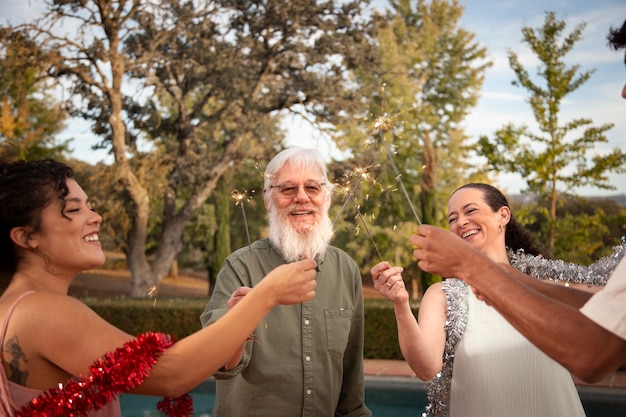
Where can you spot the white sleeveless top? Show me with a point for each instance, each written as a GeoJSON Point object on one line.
{"type": "Point", "coordinates": [499, 373]}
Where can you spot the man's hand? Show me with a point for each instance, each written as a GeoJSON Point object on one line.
{"type": "Point", "coordinates": [237, 296]}
{"type": "Point", "coordinates": [442, 252]}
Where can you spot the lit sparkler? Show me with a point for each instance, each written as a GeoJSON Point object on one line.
{"type": "Point", "coordinates": [347, 200]}
{"type": "Point", "coordinates": [362, 174]}
{"type": "Point", "coordinates": [153, 293]}
{"type": "Point", "coordinates": [358, 212]}
{"type": "Point", "coordinates": [239, 201]}
{"type": "Point", "coordinates": [380, 125]}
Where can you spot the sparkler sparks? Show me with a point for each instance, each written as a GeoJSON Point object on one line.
{"type": "Point", "coordinates": [348, 198]}
{"type": "Point", "coordinates": [380, 125]}
{"type": "Point", "coordinates": [358, 212]}
{"type": "Point", "coordinates": [361, 173]}
{"type": "Point", "coordinates": [240, 198]}
{"type": "Point", "coordinates": [153, 293]}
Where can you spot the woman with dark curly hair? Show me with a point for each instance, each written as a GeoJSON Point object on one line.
{"type": "Point", "coordinates": [60, 358]}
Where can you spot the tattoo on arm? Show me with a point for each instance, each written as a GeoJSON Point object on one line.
{"type": "Point", "coordinates": [13, 349]}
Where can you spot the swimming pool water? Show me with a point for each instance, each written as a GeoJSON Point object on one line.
{"type": "Point", "coordinates": [391, 397]}
{"type": "Point", "coordinates": [385, 397]}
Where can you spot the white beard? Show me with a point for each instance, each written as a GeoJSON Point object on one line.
{"type": "Point", "coordinates": [296, 245]}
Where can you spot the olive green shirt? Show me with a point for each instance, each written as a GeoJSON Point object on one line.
{"type": "Point", "coordinates": [307, 359]}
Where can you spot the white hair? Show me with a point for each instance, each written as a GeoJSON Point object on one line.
{"type": "Point", "coordinates": [292, 244]}
{"type": "Point", "coordinates": [298, 158]}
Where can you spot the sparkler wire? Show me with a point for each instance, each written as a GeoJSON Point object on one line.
{"type": "Point", "coordinates": [343, 207]}
{"type": "Point", "coordinates": [398, 175]}
{"type": "Point", "coordinates": [239, 197]}
{"type": "Point", "coordinates": [245, 221]}
{"type": "Point", "coordinates": [345, 203]}
{"type": "Point", "coordinates": [358, 212]}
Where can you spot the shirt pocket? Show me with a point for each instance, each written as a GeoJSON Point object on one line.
{"type": "Point", "coordinates": [338, 324]}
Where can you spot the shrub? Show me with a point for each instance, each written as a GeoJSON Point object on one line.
{"type": "Point", "coordinates": [180, 317]}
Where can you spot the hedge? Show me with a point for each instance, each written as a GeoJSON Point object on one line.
{"type": "Point", "coordinates": [179, 317]}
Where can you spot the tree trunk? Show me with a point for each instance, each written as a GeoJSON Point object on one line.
{"type": "Point", "coordinates": [170, 241]}
{"type": "Point", "coordinates": [552, 221]}
{"type": "Point", "coordinates": [142, 279]}
{"type": "Point", "coordinates": [174, 269]}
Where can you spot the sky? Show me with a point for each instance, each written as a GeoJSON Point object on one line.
{"type": "Point", "coordinates": [497, 25]}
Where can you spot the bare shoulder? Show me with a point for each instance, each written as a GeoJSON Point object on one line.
{"type": "Point", "coordinates": [48, 306]}
{"type": "Point", "coordinates": [56, 336]}
{"type": "Point", "coordinates": [434, 299]}
{"type": "Point", "coordinates": [434, 291]}
{"type": "Point", "coordinates": [46, 324]}
{"type": "Point", "coordinates": [57, 318]}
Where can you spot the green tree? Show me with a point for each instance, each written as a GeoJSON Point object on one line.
{"type": "Point", "coordinates": [211, 78]}
{"type": "Point", "coordinates": [430, 76]}
{"type": "Point", "coordinates": [587, 228]}
{"type": "Point", "coordinates": [231, 218]}
{"type": "Point", "coordinates": [222, 237]}
{"type": "Point", "coordinates": [557, 159]}
{"type": "Point", "coordinates": [30, 118]}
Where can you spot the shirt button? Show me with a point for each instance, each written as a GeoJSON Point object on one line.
{"type": "Point", "coordinates": [306, 322]}
{"type": "Point", "coordinates": [307, 358]}
{"type": "Point", "coordinates": [308, 392]}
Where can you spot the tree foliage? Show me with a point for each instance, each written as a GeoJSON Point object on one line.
{"type": "Point", "coordinates": [30, 117]}
{"type": "Point", "coordinates": [429, 79]}
{"type": "Point", "coordinates": [559, 158]}
{"type": "Point", "coordinates": [184, 89]}
{"type": "Point", "coordinates": [183, 92]}
{"type": "Point", "coordinates": [587, 228]}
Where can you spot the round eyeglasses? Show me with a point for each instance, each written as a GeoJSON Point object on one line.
{"type": "Point", "coordinates": [312, 189]}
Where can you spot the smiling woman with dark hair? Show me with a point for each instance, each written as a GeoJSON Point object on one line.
{"type": "Point", "coordinates": [479, 364]}
{"type": "Point", "coordinates": [48, 234]}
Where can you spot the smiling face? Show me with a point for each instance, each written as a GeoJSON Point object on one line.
{"type": "Point", "coordinates": [302, 210]}
{"type": "Point", "coordinates": [298, 200]}
{"type": "Point", "coordinates": [471, 218]}
{"type": "Point", "coordinates": [68, 237]}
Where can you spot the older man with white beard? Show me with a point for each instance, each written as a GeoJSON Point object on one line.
{"type": "Point", "coordinates": [305, 359]}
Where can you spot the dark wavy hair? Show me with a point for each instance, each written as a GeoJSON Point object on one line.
{"type": "Point", "coordinates": [617, 37]}
{"type": "Point", "coordinates": [26, 188]}
{"type": "Point", "coordinates": [516, 236]}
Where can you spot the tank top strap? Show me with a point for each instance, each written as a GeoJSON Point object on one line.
{"type": "Point", "coordinates": [7, 316]}
{"type": "Point", "coordinates": [7, 408]}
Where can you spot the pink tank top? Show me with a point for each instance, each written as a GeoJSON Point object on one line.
{"type": "Point", "coordinates": [14, 396]}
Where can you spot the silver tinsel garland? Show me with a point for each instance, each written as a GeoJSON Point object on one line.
{"type": "Point", "coordinates": [457, 309]}
{"type": "Point", "coordinates": [553, 269]}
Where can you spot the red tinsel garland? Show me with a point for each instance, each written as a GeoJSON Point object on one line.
{"type": "Point", "coordinates": [118, 372]}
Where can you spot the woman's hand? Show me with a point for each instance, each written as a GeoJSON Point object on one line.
{"type": "Point", "coordinates": [388, 281]}
{"type": "Point", "coordinates": [292, 283]}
